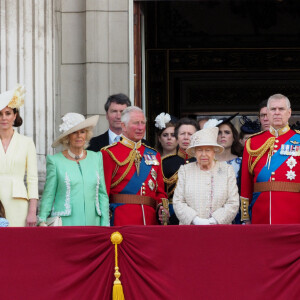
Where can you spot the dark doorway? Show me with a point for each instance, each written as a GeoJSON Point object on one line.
{"type": "Point", "coordinates": [220, 56]}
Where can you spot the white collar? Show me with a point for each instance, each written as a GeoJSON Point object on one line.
{"type": "Point", "coordinates": [112, 136]}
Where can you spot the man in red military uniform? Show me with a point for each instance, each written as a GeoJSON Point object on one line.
{"type": "Point", "coordinates": [133, 174]}
{"type": "Point", "coordinates": [271, 170]}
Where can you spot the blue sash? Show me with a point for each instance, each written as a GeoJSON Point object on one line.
{"type": "Point", "coordinates": [135, 183]}
{"type": "Point", "coordinates": [276, 161]}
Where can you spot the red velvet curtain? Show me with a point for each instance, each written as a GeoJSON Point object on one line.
{"type": "Point", "coordinates": [156, 262]}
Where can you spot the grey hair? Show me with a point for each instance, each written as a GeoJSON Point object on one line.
{"type": "Point", "coordinates": [127, 111]}
{"type": "Point", "coordinates": [65, 141]}
{"type": "Point", "coordinates": [279, 97]}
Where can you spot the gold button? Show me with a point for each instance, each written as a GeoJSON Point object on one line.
{"type": "Point", "coordinates": [144, 192]}
{"type": "Point", "coordinates": [276, 141]}
{"type": "Point", "coordinates": [273, 179]}
{"type": "Point", "coordinates": [245, 214]}
{"type": "Point", "coordinates": [275, 146]}
{"type": "Point", "coordinates": [275, 151]}
{"type": "Point", "coordinates": [187, 162]}
{"type": "Point", "coordinates": [273, 173]}
{"type": "Point", "coordinates": [143, 183]}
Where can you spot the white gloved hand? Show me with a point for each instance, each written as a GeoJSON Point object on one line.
{"type": "Point", "coordinates": [200, 221]}
{"type": "Point", "coordinates": [212, 221]}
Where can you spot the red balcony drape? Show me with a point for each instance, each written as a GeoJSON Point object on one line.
{"type": "Point", "coordinates": [156, 262]}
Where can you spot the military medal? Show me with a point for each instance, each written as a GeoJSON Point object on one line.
{"type": "Point", "coordinates": [151, 184]}
{"type": "Point", "coordinates": [153, 174]}
{"type": "Point", "coordinates": [150, 159]}
{"type": "Point", "coordinates": [290, 175]}
{"type": "Point", "coordinates": [291, 162]}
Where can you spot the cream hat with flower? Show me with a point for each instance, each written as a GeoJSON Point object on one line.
{"type": "Point", "coordinates": [205, 137]}
{"type": "Point", "coordinates": [73, 122]}
{"type": "Point", "coordinates": [13, 98]}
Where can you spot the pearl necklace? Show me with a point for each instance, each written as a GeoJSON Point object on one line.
{"type": "Point", "coordinates": [76, 157]}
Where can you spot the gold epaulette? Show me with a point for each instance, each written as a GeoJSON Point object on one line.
{"type": "Point", "coordinates": [129, 160]}
{"type": "Point", "coordinates": [268, 145]}
{"type": "Point", "coordinates": [254, 134]}
{"type": "Point", "coordinates": [149, 147]}
{"type": "Point", "coordinates": [298, 131]}
{"type": "Point", "coordinates": [167, 156]}
{"type": "Point", "coordinates": [108, 146]}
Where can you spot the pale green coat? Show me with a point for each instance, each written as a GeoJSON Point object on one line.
{"type": "Point", "coordinates": [76, 192]}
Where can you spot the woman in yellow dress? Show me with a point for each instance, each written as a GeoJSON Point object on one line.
{"type": "Point", "coordinates": [17, 158]}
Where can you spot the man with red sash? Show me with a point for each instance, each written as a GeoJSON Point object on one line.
{"type": "Point", "coordinates": [133, 175]}
{"type": "Point", "coordinates": [271, 170]}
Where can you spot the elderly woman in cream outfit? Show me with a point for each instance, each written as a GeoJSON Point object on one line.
{"type": "Point", "coordinates": [206, 191]}
{"type": "Point", "coordinates": [17, 158]}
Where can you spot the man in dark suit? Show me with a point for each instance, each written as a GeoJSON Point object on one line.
{"type": "Point", "coordinates": [114, 106]}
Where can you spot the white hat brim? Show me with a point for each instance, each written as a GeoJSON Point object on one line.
{"type": "Point", "coordinates": [191, 150]}
{"type": "Point", "coordinates": [89, 122]}
{"type": "Point", "coordinates": [5, 98]}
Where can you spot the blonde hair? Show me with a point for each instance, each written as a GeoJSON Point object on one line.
{"type": "Point", "coordinates": [65, 141]}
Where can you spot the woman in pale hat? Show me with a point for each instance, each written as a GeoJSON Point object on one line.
{"type": "Point", "coordinates": [17, 158]}
{"type": "Point", "coordinates": [75, 187]}
{"type": "Point", "coordinates": [206, 191]}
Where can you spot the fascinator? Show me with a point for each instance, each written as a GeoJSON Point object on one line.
{"type": "Point", "coordinates": [249, 126]}
{"type": "Point", "coordinates": [162, 119]}
{"type": "Point", "coordinates": [13, 98]}
{"type": "Point", "coordinates": [296, 126]}
{"type": "Point", "coordinates": [226, 120]}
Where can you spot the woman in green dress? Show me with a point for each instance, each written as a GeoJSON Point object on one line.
{"type": "Point", "coordinates": [75, 187]}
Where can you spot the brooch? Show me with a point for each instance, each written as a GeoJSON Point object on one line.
{"type": "Point", "coordinates": [291, 162]}
{"type": "Point", "coordinates": [151, 184]}
{"type": "Point", "coordinates": [153, 174]}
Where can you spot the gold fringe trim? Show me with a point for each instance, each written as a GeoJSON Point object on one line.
{"type": "Point", "coordinates": [170, 182]}
{"type": "Point", "coordinates": [268, 145]}
{"type": "Point", "coordinates": [117, 294]}
{"type": "Point", "coordinates": [133, 155]}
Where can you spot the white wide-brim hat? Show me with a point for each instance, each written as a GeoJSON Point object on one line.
{"type": "Point", "coordinates": [205, 137]}
{"type": "Point", "coordinates": [13, 98]}
{"type": "Point", "coordinates": [73, 122]}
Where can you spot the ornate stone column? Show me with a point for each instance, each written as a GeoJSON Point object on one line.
{"type": "Point", "coordinates": [27, 57]}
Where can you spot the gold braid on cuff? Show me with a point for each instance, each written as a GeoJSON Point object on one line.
{"type": "Point", "coordinates": [244, 209]}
